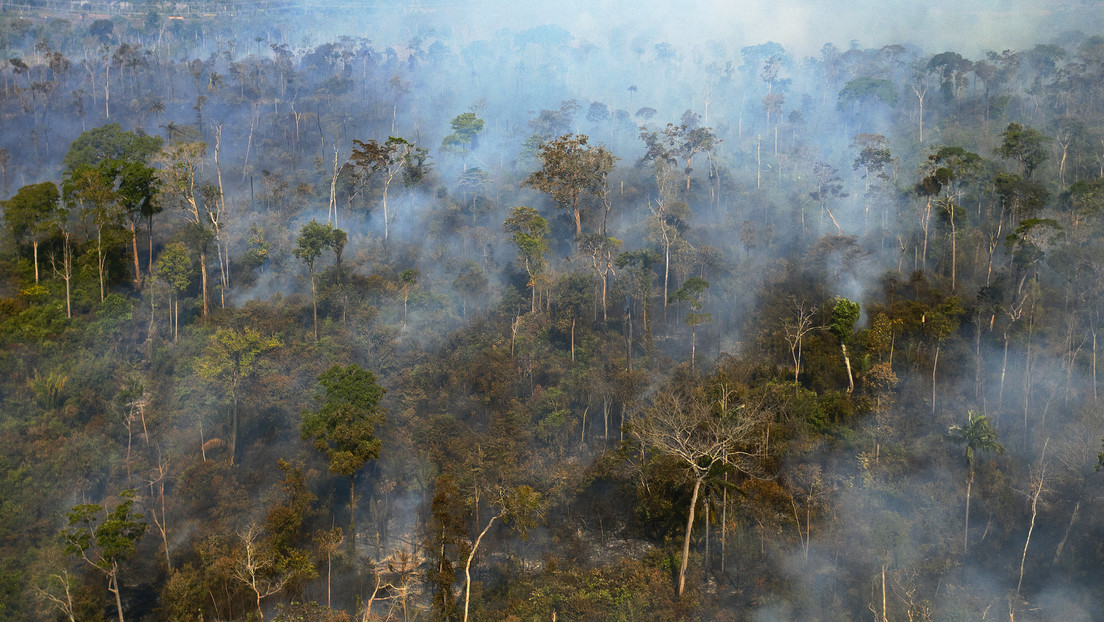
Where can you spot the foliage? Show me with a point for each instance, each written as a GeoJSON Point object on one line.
{"type": "Point", "coordinates": [344, 425]}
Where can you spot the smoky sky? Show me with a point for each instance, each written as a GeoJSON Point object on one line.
{"type": "Point", "coordinates": [802, 26]}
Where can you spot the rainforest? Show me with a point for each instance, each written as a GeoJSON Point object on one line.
{"type": "Point", "coordinates": [594, 311]}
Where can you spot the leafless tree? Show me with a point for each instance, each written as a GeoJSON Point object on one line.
{"type": "Point", "coordinates": [704, 434]}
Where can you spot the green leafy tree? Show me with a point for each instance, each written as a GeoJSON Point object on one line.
{"type": "Point", "coordinates": [343, 427]}
{"type": "Point", "coordinates": [571, 171]}
{"type": "Point", "coordinates": [231, 358]}
{"type": "Point", "coordinates": [640, 264]}
{"type": "Point", "coordinates": [314, 237]}
{"type": "Point", "coordinates": [978, 434]}
{"type": "Point", "coordinates": [93, 191]}
{"type": "Point", "coordinates": [179, 178]}
{"type": "Point", "coordinates": [691, 293]}
{"type": "Point", "coordinates": [122, 158]}
{"type": "Point", "coordinates": [388, 159]}
{"type": "Point", "coordinates": [529, 232]}
{"type": "Point", "coordinates": [948, 170]}
{"type": "Point", "coordinates": [466, 128]}
{"type": "Point", "coordinates": [1026, 145]}
{"type": "Point", "coordinates": [446, 540]}
{"type": "Point", "coordinates": [844, 315]}
{"type": "Point", "coordinates": [866, 89]}
{"type": "Point", "coordinates": [138, 187]}
{"type": "Point", "coordinates": [174, 269]}
{"type": "Point", "coordinates": [103, 544]}
{"type": "Point", "coordinates": [33, 214]}
{"type": "Point", "coordinates": [109, 142]}
{"type": "Point", "coordinates": [684, 141]}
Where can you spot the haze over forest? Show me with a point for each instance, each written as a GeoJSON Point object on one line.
{"type": "Point", "coordinates": [470, 311]}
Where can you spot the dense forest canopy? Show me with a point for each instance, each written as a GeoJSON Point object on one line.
{"type": "Point", "coordinates": [457, 312]}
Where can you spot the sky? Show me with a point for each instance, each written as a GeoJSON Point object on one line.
{"type": "Point", "coordinates": [802, 26]}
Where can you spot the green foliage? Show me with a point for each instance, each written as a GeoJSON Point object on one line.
{"type": "Point", "coordinates": [864, 89]}
{"type": "Point", "coordinates": [314, 237]}
{"type": "Point", "coordinates": [104, 543]}
{"type": "Point", "coordinates": [233, 355]}
{"type": "Point", "coordinates": [529, 233]}
{"type": "Point", "coordinates": [571, 170]}
{"type": "Point", "coordinates": [257, 254]}
{"type": "Point", "coordinates": [1026, 145]}
{"type": "Point", "coordinates": [34, 212]}
{"type": "Point", "coordinates": [466, 126]}
{"type": "Point", "coordinates": [174, 267]}
{"type": "Point", "coordinates": [691, 292]}
{"type": "Point", "coordinates": [978, 434]}
{"type": "Point", "coordinates": [1019, 196]}
{"type": "Point", "coordinates": [344, 425]}
{"type": "Point", "coordinates": [109, 142]}
{"type": "Point", "coordinates": [844, 315]}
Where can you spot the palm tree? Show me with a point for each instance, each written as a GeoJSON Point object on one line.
{"type": "Point", "coordinates": [977, 435]}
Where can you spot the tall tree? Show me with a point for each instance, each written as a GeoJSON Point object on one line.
{"type": "Point", "coordinates": [571, 171]}
{"type": "Point", "coordinates": [684, 141]}
{"type": "Point", "coordinates": [314, 237]}
{"type": "Point", "coordinates": [32, 215]}
{"type": "Point", "coordinates": [104, 544]}
{"type": "Point", "coordinates": [122, 159]}
{"type": "Point", "coordinates": [91, 190]}
{"type": "Point", "coordinates": [828, 187]}
{"type": "Point", "coordinates": [179, 174]}
{"type": "Point", "coordinates": [344, 426]}
{"type": "Point", "coordinates": [529, 232]}
{"type": "Point", "coordinates": [844, 315]}
{"type": "Point", "coordinates": [1026, 145]}
{"type": "Point", "coordinates": [640, 264]}
{"type": "Point", "coordinates": [977, 435]}
{"type": "Point", "coordinates": [231, 358]}
{"type": "Point", "coordinates": [174, 268]}
{"type": "Point", "coordinates": [599, 250]}
{"type": "Point", "coordinates": [388, 160]}
{"type": "Point", "coordinates": [705, 436]}
{"type": "Point", "coordinates": [520, 508]}
{"type": "Point", "coordinates": [466, 128]}
{"type": "Point", "coordinates": [691, 293]}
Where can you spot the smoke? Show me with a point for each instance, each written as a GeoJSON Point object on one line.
{"type": "Point", "coordinates": [408, 70]}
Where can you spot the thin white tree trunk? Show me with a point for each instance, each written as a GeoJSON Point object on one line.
{"type": "Point", "coordinates": [689, 530]}
{"type": "Point", "coordinates": [467, 566]}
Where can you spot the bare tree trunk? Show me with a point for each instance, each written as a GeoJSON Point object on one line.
{"type": "Point", "coordinates": [352, 514]}
{"type": "Point", "coordinates": [847, 363]}
{"type": "Point", "coordinates": [113, 587]}
{"type": "Point", "coordinates": [101, 259]}
{"type": "Point", "coordinates": [216, 221]}
{"type": "Point", "coordinates": [935, 365]}
{"type": "Point", "coordinates": [1065, 536]}
{"type": "Point", "coordinates": [467, 566]}
{"type": "Point", "coordinates": [954, 249]}
{"type": "Point", "coordinates": [1037, 486]}
{"type": "Point", "coordinates": [1004, 370]}
{"type": "Point", "coordinates": [689, 530]}
{"type": "Point", "coordinates": [314, 301]}
{"type": "Point", "coordinates": [203, 279]}
{"type": "Point", "coordinates": [966, 531]}
{"type": "Point", "coordinates": [233, 426]}
{"type": "Point", "coordinates": [724, 521]}
{"type": "Point", "coordinates": [1094, 364]}
{"type": "Point", "coordinates": [134, 247]}
{"type": "Point", "coordinates": [884, 618]}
